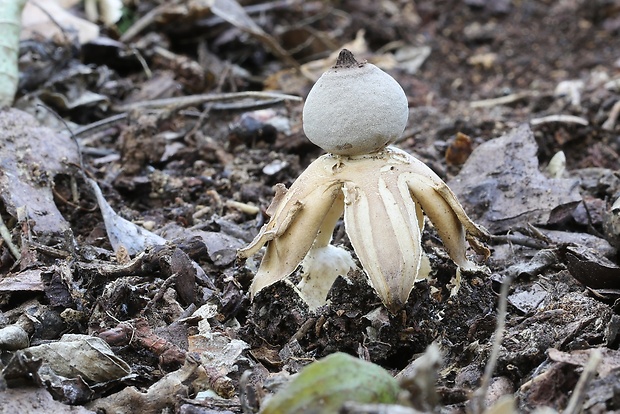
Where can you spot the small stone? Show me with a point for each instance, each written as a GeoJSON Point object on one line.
{"type": "Point", "coordinates": [13, 337]}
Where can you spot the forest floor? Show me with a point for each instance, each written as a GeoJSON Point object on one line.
{"type": "Point", "coordinates": [513, 104]}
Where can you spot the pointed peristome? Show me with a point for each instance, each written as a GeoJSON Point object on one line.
{"type": "Point", "coordinates": [347, 60]}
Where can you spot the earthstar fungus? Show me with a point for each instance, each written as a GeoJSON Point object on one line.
{"type": "Point", "coordinates": [354, 111]}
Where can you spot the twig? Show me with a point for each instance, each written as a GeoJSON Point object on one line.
{"type": "Point", "coordinates": [200, 122]}
{"type": "Point", "coordinates": [567, 119]}
{"type": "Point", "coordinates": [145, 21]}
{"type": "Point", "coordinates": [143, 62]}
{"type": "Point", "coordinates": [53, 20]}
{"type": "Point", "coordinates": [610, 123]}
{"type": "Point", "coordinates": [502, 100]}
{"type": "Point", "coordinates": [99, 124]}
{"type": "Point", "coordinates": [246, 106]}
{"type": "Point", "coordinates": [51, 251]}
{"type": "Point", "coordinates": [537, 234]}
{"type": "Point", "coordinates": [477, 401]}
{"type": "Point", "coordinates": [303, 329]}
{"type": "Point", "coordinates": [519, 239]}
{"type": "Point", "coordinates": [70, 203]}
{"type": "Point", "coordinates": [171, 280]}
{"type": "Point", "coordinates": [579, 393]}
{"type": "Point", "coordinates": [138, 333]}
{"type": "Point", "coordinates": [6, 236]}
{"type": "Point", "coordinates": [192, 100]}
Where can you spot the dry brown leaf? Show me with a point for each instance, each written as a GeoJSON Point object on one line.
{"type": "Point", "coordinates": [81, 355]}
{"type": "Point", "coordinates": [501, 185]}
{"type": "Point", "coordinates": [36, 21]}
{"type": "Point", "coordinates": [28, 281]}
{"type": "Point", "coordinates": [30, 157]}
{"type": "Point", "coordinates": [164, 393]}
{"type": "Point", "coordinates": [35, 401]}
{"type": "Point", "coordinates": [609, 363]}
{"type": "Point", "coordinates": [122, 232]}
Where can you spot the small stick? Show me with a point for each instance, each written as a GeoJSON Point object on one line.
{"type": "Point", "coordinates": [52, 252]}
{"type": "Point", "coordinates": [6, 236]}
{"type": "Point", "coordinates": [610, 123]}
{"type": "Point", "coordinates": [171, 280]}
{"type": "Point", "coordinates": [567, 119]}
{"type": "Point", "coordinates": [145, 65]}
{"type": "Point", "coordinates": [520, 240]}
{"type": "Point", "coordinates": [145, 21]}
{"type": "Point", "coordinates": [477, 401]}
{"type": "Point", "coordinates": [192, 100]}
{"type": "Point", "coordinates": [99, 124]}
{"type": "Point", "coordinates": [579, 393]}
{"type": "Point", "coordinates": [243, 207]}
{"type": "Point", "coordinates": [502, 100]}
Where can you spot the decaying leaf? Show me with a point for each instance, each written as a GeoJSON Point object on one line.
{"type": "Point", "coordinates": [610, 358]}
{"type": "Point", "coordinates": [72, 391]}
{"type": "Point", "coordinates": [501, 185]}
{"type": "Point", "coordinates": [325, 385]}
{"type": "Point", "coordinates": [37, 21]}
{"type": "Point", "coordinates": [564, 322]}
{"type": "Point", "coordinates": [217, 352]}
{"type": "Point", "coordinates": [591, 269]}
{"type": "Point", "coordinates": [419, 379]}
{"type": "Point", "coordinates": [233, 13]}
{"type": "Point", "coordinates": [161, 395]}
{"type": "Point", "coordinates": [80, 355]}
{"type": "Point", "coordinates": [35, 401]}
{"type": "Point", "coordinates": [528, 298]}
{"type": "Point", "coordinates": [221, 247]}
{"type": "Point", "coordinates": [611, 224]}
{"type": "Point", "coordinates": [29, 281]}
{"type": "Point", "coordinates": [122, 232]}
{"type": "Point", "coordinates": [30, 157]}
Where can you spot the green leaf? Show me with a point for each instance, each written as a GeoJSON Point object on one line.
{"type": "Point", "coordinates": [325, 385]}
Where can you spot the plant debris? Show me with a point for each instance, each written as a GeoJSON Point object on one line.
{"type": "Point", "coordinates": [140, 154]}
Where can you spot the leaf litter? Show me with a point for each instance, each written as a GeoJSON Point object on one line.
{"type": "Point", "coordinates": [196, 176]}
